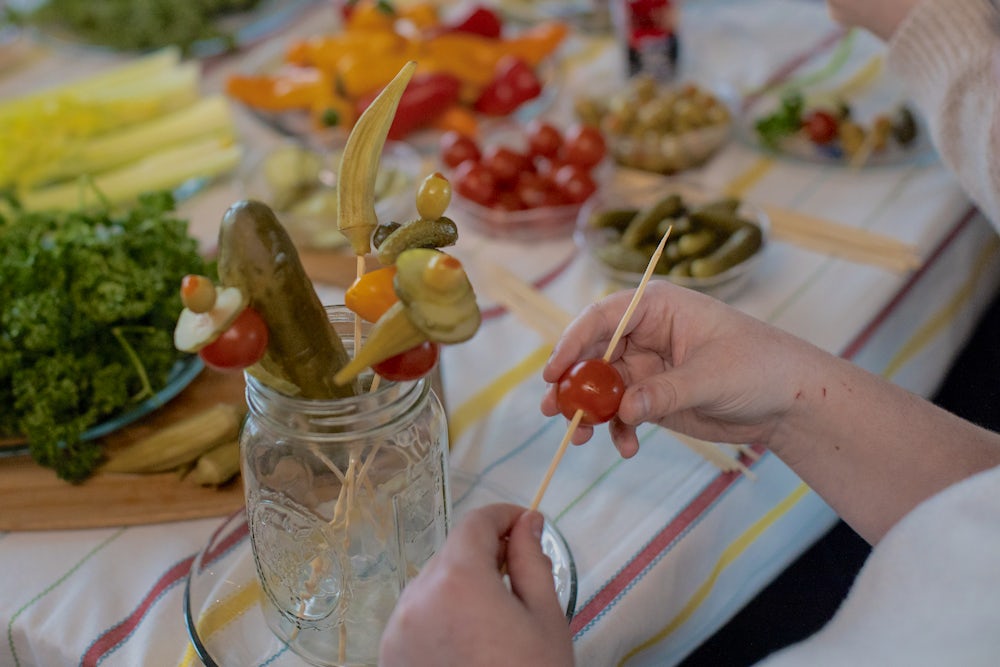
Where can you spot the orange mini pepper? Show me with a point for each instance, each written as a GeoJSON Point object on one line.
{"type": "Point", "coordinates": [373, 293]}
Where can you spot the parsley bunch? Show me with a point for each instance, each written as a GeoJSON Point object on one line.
{"type": "Point", "coordinates": [88, 302]}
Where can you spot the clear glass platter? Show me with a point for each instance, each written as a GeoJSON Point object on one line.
{"type": "Point", "coordinates": [221, 598]}
{"type": "Point", "coordinates": [183, 373]}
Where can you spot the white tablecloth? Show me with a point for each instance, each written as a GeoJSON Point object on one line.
{"type": "Point", "coordinates": [666, 547]}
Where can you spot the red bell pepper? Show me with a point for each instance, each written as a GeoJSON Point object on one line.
{"type": "Point", "coordinates": [513, 84]}
{"type": "Point", "coordinates": [478, 20]}
{"type": "Point", "coordinates": [426, 97]}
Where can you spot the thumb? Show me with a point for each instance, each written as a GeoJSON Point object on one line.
{"type": "Point", "coordinates": [530, 569]}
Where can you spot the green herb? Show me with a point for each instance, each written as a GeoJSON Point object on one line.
{"type": "Point", "coordinates": [88, 301]}
{"type": "Point", "coordinates": [785, 121]}
{"type": "Point", "coordinates": [150, 24]}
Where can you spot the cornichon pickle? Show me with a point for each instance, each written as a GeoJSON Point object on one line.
{"type": "Point", "coordinates": [383, 231]}
{"type": "Point", "coordinates": [722, 215]}
{"type": "Point", "coordinates": [677, 226]}
{"type": "Point", "coordinates": [645, 222]}
{"type": "Point", "coordinates": [623, 258]}
{"type": "Point", "coordinates": [615, 218]}
{"type": "Point", "coordinates": [740, 246]}
{"type": "Point", "coordinates": [417, 234]}
{"type": "Point", "coordinates": [694, 244]}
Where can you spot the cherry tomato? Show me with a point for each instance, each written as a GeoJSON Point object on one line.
{"type": "Point", "coordinates": [411, 364]}
{"type": "Point", "coordinates": [474, 181]}
{"type": "Point", "coordinates": [373, 293]}
{"type": "Point", "coordinates": [433, 196]}
{"type": "Point", "coordinates": [584, 146]}
{"type": "Point", "coordinates": [456, 148]}
{"type": "Point", "coordinates": [543, 139]}
{"type": "Point", "coordinates": [241, 345]}
{"type": "Point", "coordinates": [504, 163]}
{"type": "Point", "coordinates": [536, 191]}
{"type": "Point", "coordinates": [820, 126]}
{"type": "Point", "coordinates": [593, 386]}
{"type": "Point", "coordinates": [575, 183]}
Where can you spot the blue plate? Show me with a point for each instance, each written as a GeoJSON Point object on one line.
{"type": "Point", "coordinates": [182, 374]}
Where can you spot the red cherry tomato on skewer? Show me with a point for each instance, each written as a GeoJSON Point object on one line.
{"type": "Point", "coordinates": [241, 345]}
{"type": "Point", "coordinates": [595, 387]}
{"type": "Point", "coordinates": [411, 364]}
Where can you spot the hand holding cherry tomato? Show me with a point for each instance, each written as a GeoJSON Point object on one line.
{"type": "Point", "coordinates": [592, 385]}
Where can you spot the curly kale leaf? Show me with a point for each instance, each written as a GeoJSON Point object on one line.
{"type": "Point", "coordinates": [88, 301]}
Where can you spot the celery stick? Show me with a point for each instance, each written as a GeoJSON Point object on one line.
{"type": "Point", "coordinates": [142, 69]}
{"type": "Point", "coordinates": [210, 115]}
{"type": "Point", "coordinates": [168, 169]}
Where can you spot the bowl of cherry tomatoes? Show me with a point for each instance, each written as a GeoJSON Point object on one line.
{"type": "Point", "coordinates": [525, 184]}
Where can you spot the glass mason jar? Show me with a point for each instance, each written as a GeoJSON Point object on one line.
{"type": "Point", "coordinates": [346, 499]}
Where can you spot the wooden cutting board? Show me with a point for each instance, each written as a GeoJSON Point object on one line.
{"type": "Point", "coordinates": [33, 498]}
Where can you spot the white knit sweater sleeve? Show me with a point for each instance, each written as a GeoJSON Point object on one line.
{"type": "Point", "coordinates": [947, 53]}
{"type": "Point", "coordinates": [929, 594]}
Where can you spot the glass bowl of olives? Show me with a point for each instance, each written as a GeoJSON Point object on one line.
{"type": "Point", "coordinates": [299, 182]}
{"type": "Point", "coordinates": [714, 245]}
{"type": "Point", "coordinates": [661, 128]}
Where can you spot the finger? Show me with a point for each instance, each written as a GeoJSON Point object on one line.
{"type": "Point", "coordinates": [530, 569]}
{"type": "Point", "coordinates": [625, 438]}
{"type": "Point", "coordinates": [587, 336]}
{"type": "Point", "coordinates": [480, 537]}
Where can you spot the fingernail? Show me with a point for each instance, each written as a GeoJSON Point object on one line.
{"type": "Point", "coordinates": [536, 524]}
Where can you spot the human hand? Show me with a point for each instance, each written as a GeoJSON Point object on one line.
{"type": "Point", "coordinates": [690, 363]}
{"type": "Point", "coordinates": [880, 17]}
{"type": "Point", "coordinates": [459, 612]}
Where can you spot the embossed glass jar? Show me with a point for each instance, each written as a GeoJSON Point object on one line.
{"type": "Point", "coordinates": [346, 500]}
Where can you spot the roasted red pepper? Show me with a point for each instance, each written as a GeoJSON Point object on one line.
{"type": "Point", "coordinates": [513, 84]}
{"type": "Point", "coordinates": [426, 97]}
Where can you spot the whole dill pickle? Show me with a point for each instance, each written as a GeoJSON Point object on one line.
{"type": "Point", "coordinates": [417, 234]}
{"type": "Point", "coordinates": [740, 246]}
{"type": "Point", "coordinates": [257, 256]}
{"type": "Point", "coordinates": [644, 224]}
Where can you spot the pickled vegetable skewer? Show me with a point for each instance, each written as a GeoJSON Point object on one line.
{"type": "Point", "coordinates": [612, 344]}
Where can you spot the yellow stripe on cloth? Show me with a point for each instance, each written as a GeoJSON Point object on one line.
{"type": "Point", "coordinates": [481, 403]}
{"type": "Point", "coordinates": [939, 320]}
{"type": "Point", "coordinates": [221, 614]}
{"type": "Point", "coordinates": [750, 177]}
{"type": "Point", "coordinates": [728, 556]}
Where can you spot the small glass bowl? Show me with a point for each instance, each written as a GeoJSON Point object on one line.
{"type": "Point", "coordinates": [660, 128]}
{"type": "Point", "coordinates": [721, 285]}
{"type": "Point", "coordinates": [300, 183]}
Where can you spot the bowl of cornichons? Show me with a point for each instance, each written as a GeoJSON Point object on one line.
{"type": "Point", "coordinates": [714, 244]}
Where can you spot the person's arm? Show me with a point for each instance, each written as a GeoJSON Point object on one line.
{"type": "Point", "coordinates": [690, 363]}
{"type": "Point", "coordinates": [947, 54]}
{"type": "Point", "coordinates": [458, 612]}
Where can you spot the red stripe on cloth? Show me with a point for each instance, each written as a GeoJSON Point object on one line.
{"type": "Point", "coordinates": [862, 338]}
{"type": "Point", "coordinates": [651, 551]}
{"type": "Point", "coordinates": [118, 633]}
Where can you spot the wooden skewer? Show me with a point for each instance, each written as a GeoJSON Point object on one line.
{"type": "Point", "coordinates": [612, 344]}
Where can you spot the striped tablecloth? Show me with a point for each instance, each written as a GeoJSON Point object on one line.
{"type": "Point", "coordinates": [666, 547]}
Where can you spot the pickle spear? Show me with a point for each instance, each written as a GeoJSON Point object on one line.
{"type": "Point", "coordinates": [303, 351]}
{"type": "Point", "coordinates": [359, 162]}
